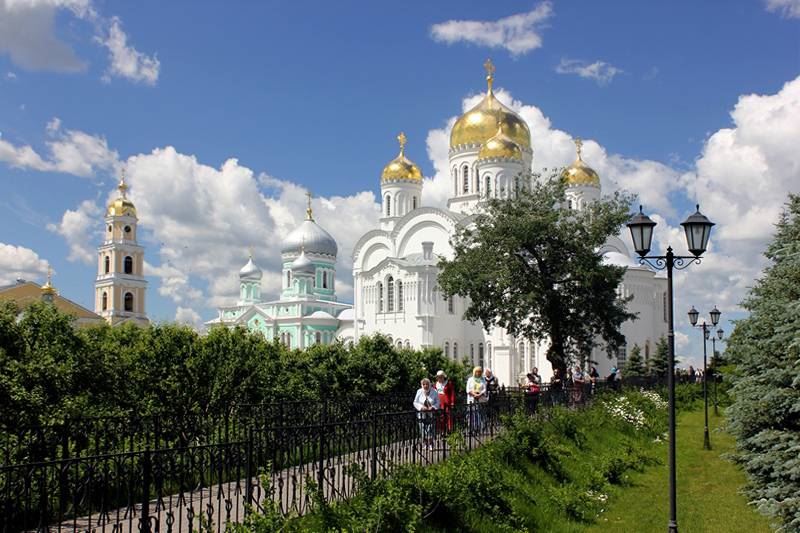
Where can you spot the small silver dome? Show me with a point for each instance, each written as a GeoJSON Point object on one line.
{"type": "Point", "coordinates": [309, 235]}
{"type": "Point", "coordinates": [250, 272]}
{"type": "Point", "coordinates": [302, 265]}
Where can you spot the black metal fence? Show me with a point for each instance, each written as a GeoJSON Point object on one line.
{"type": "Point", "coordinates": [163, 475]}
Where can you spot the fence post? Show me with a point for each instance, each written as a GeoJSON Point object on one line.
{"type": "Point", "coordinates": [375, 447]}
{"type": "Point", "coordinates": [248, 493]}
{"type": "Point", "coordinates": [147, 471]}
{"type": "Point", "coordinates": [321, 456]}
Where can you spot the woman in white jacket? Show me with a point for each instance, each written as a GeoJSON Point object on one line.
{"type": "Point", "coordinates": [426, 402]}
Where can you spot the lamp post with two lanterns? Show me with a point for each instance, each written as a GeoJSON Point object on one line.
{"type": "Point", "coordinates": [714, 314]}
{"type": "Point", "coordinates": [698, 229]}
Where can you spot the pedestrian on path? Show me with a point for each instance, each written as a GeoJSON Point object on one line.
{"type": "Point", "coordinates": [533, 390]}
{"type": "Point", "coordinates": [447, 400]}
{"type": "Point", "coordinates": [476, 397]}
{"type": "Point", "coordinates": [426, 402]}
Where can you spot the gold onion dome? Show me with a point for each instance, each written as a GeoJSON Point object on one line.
{"type": "Point", "coordinates": [579, 173]}
{"type": "Point", "coordinates": [500, 146]}
{"type": "Point", "coordinates": [121, 206]}
{"type": "Point", "coordinates": [480, 123]}
{"type": "Point", "coordinates": [401, 168]}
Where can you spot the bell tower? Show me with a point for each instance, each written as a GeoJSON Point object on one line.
{"type": "Point", "coordinates": [120, 285]}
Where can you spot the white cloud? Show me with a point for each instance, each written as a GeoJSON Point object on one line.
{"type": "Point", "coordinates": [519, 34]}
{"type": "Point", "coordinates": [599, 71]}
{"type": "Point", "coordinates": [11, 76]}
{"type": "Point", "coordinates": [188, 316]}
{"type": "Point", "coordinates": [79, 228]}
{"type": "Point", "coordinates": [205, 218]}
{"type": "Point", "coordinates": [786, 8]}
{"type": "Point", "coordinates": [28, 36]}
{"type": "Point", "coordinates": [70, 151]}
{"type": "Point", "coordinates": [126, 61]}
{"type": "Point", "coordinates": [18, 262]}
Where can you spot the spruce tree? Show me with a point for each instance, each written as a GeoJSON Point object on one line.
{"type": "Point", "coordinates": [765, 347]}
{"type": "Point", "coordinates": [634, 366]}
{"type": "Point", "coordinates": [658, 365]}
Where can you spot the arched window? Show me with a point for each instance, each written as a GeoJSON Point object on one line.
{"type": "Point", "coordinates": [447, 349]}
{"type": "Point", "coordinates": [569, 204]}
{"type": "Point", "coordinates": [521, 353]}
{"type": "Point", "coordinates": [465, 178]}
{"type": "Point", "coordinates": [480, 354]}
{"type": "Point", "coordinates": [288, 278]}
{"type": "Point", "coordinates": [105, 300]}
{"type": "Point", "coordinates": [471, 353]}
{"type": "Point", "coordinates": [488, 191]}
{"type": "Point", "coordinates": [647, 350]}
{"type": "Point", "coordinates": [450, 305]}
{"type": "Point", "coordinates": [388, 205]}
{"type": "Point", "coordinates": [399, 295]}
{"type": "Point", "coordinates": [128, 301]}
{"type": "Point", "coordinates": [107, 264]}
{"type": "Point", "coordinates": [408, 344]}
{"type": "Point", "coordinates": [489, 354]}
{"type": "Point", "coordinates": [400, 344]}
{"type": "Point", "coordinates": [455, 180]}
{"type": "Point", "coordinates": [455, 350]}
{"type": "Point", "coordinates": [390, 294]}
{"type": "Point", "coordinates": [379, 286]}
{"type": "Point", "coordinates": [413, 202]}
{"type": "Point", "coordinates": [516, 186]}
{"type": "Point", "coordinates": [324, 279]}
{"type": "Point", "coordinates": [128, 264]}
{"type": "Point", "coordinates": [318, 337]}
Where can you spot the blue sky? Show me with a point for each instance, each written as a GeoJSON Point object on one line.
{"type": "Point", "coordinates": [312, 95]}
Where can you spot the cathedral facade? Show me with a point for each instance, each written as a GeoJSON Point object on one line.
{"type": "Point", "coordinates": [307, 311]}
{"type": "Point", "coordinates": [395, 265]}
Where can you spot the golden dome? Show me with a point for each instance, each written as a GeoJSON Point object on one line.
{"type": "Point", "coordinates": [579, 173]}
{"type": "Point", "coordinates": [401, 168]}
{"type": "Point", "coordinates": [121, 206]}
{"type": "Point", "coordinates": [500, 146]}
{"type": "Point", "coordinates": [480, 123]}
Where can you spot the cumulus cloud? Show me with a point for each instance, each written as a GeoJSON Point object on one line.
{"type": "Point", "coordinates": [188, 316]}
{"type": "Point", "coordinates": [126, 61]}
{"type": "Point", "coordinates": [70, 151]}
{"type": "Point", "coordinates": [786, 8]}
{"type": "Point", "coordinates": [18, 262]}
{"type": "Point", "coordinates": [79, 228]}
{"type": "Point", "coordinates": [599, 71]}
{"type": "Point", "coordinates": [519, 34]}
{"type": "Point", "coordinates": [204, 219]}
{"type": "Point", "coordinates": [28, 36]}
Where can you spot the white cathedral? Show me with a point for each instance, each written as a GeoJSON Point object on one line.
{"type": "Point", "coordinates": [395, 265]}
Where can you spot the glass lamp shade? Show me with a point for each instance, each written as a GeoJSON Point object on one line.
{"type": "Point", "coordinates": [720, 333]}
{"type": "Point", "coordinates": [693, 314]}
{"type": "Point", "coordinates": [641, 227]}
{"type": "Point", "coordinates": [698, 229]}
{"type": "Point", "coordinates": [715, 315]}
{"type": "Point", "coordinates": [706, 332]}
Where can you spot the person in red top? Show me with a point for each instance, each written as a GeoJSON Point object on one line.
{"type": "Point", "coordinates": [447, 400]}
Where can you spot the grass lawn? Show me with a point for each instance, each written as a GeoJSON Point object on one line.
{"type": "Point", "coordinates": [708, 488]}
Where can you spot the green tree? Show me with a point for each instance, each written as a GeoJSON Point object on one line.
{"type": "Point", "coordinates": [658, 365]}
{"type": "Point", "coordinates": [531, 266]}
{"type": "Point", "coordinates": [634, 366]}
{"type": "Point", "coordinates": [765, 347]}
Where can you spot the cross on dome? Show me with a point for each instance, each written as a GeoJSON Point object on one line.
{"type": "Point", "coordinates": [123, 187]}
{"type": "Point", "coordinates": [578, 146]}
{"type": "Point", "coordinates": [489, 66]}
{"type": "Point", "coordinates": [402, 140]}
{"type": "Point", "coordinates": [309, 212]}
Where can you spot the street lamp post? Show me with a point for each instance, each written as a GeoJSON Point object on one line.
{"type": "Point", "coordinates": [714, 314]}
{"type": "Point", "coordinates": [698, 229]}
{"type": "Point", "coordinates": [720, 333]}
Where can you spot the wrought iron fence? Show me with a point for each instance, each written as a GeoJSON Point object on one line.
{"type": "Point", "coordinates": [283, 457]}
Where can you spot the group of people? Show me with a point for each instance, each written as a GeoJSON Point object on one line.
{"type": "Point", "coordinates": [565, 389]}
{"type": "Point", "coordinates": [480, 388]}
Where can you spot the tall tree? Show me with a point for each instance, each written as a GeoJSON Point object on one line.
{"type": "Point", "coordinates": [634, 366]}
{"type": "Point", "coordinates": [765, 347]}
{"type": "Point", "coordinates": [530, 265]}
{"type": "Point", "coordinates": [658, 365]}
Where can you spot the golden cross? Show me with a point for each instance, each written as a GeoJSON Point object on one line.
{"type": "Point", "coordinates": [309, 212]}
{"type": "Point", "coordinates": [578, 145]}
{"type": "Point", "coordinates": [250, 251]}
{"type": "Point", "coordinates": [402, 140]}
{"type": "Point", "coordinates": [489, 66]}
{"type": "Point", "coordinates": [49, 275]}
{"type": "Point", "coordinates": [123, 187]}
